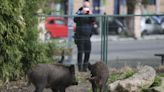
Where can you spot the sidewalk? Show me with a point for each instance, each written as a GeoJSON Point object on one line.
{"type": "Point", "coordinates": [96, 38]}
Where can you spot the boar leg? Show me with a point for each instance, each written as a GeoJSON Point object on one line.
{"type": "Point", "coordinates": [94, 86]}
{"type": "Point", "coordinates": [103, 87]}
{"type": "Point", "coordinates": [62, 90]}
{"type": "Point", "coordinates": [92, 81]}
{"type": "Point", "coordinates": [39, 88]}
{"type": "Point", "coordinates": [54, 90]}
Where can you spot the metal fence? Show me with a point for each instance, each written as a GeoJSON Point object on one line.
{"type": "Point", "coordinates": [115, 31]}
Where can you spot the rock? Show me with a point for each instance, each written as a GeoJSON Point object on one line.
{"type": "Point", "coordinates": [142, 79]}
{"type": "Point", "coordinates": [159, 88]}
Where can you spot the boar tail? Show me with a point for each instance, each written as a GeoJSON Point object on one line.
{"type": "Point", "coordinates": [62, 57]}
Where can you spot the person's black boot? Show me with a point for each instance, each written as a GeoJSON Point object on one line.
{"type": "Point", "coordinates": [80, 68]}
{"type": "Point", "coordinates": [85, 66]}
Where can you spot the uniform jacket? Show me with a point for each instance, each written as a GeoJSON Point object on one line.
{"type": "Point", "coordinates": [84, 26]}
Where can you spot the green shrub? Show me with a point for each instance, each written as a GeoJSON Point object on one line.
{"type": "Point", "coordinates": [11, 39]}
{"type": "Point", "coordinates": [19, 44]}
{"type": "Point", "coordinates": [161, 75]}
{"type": "Point", "coordinates": [121, 75]}
{"type": "Point", "coordinates": [157, 81]}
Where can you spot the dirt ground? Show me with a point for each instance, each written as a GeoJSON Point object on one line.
{"type": "Point", "coordinates": [21, 86]}
{"type": "Point", "coordinates": [82, 87]}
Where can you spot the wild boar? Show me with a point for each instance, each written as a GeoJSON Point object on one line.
{"type": "Point", "coordinates": [99, 76]}
{"type": "Point", "coordinates": [55, 76]}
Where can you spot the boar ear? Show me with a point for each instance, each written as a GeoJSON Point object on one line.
{"type": "Point", "coordinates": [72, 68]}
{"type": "Point", "coordinates": [89, 66]}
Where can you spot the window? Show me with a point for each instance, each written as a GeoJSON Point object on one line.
{"type": "Point", "coordinates": [152, 2]}
{"type": "Point", "coordinates": [116, 6]}
{"type": "Point", "coordinates": [148, 21]}
{"type": "Point", "coordinates": [51, 22]}
{"type": "Point", "coordinates": [96, 6]}
{"type": "Point", "coordinates": [60, 22]}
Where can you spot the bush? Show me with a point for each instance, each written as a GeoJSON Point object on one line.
{"type": "Point", "coordinates": [157, 81]}
{"type": "Point", "coordinates": [19, 44]}
{"type": "Point", "coordinates": [161, 75]}
{"type": "Point", "coordinates": [11, 39]}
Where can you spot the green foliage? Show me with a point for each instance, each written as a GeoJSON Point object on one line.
{"type": "Point", "coordinates": [19, 46]}
{"type": "Point", "coordinates": [144, 2]}
{"type": "Point", "coordinates": [157, 81]}
{"type": "Point", "coordinates": [12, 8]}
{"type": "Point", "coordinates": [34, 52]}
{"type": "Point", "coordinates": [11, 39]}
{"type": "Point", "coordinates": [121, 75]}
{"type": "Point", "coordinates": [131, 6]}
{"type": "Point", "coordinates": [59, 1]}
{"type": "Point", "coordinates": [161, 75]}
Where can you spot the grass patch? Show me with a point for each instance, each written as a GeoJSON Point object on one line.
{"type": "Point", "coordinates": [157, 81]}
{"type": "Point", "coordinates": [61, 45]}
{"type": "Point", "coordinates": [161, 74]}
{"type": "Point", "coordinates": [121, 74]}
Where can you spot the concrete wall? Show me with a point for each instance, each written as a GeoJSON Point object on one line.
{"type": "Point", "coordinates": [162, 6]}
{"type": "Point", "coordinates": [151, 8]}
{"type": "Point", "coordinates": [109, 7]}
{"type": "Point", "coordinates": [77, 5]}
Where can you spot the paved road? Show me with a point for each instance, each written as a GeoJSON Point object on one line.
{"type": "Point", "coordinates": [129, 51]}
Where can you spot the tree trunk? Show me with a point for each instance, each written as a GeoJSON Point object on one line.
{"type": "Point", "coordinates": [137, 22]}
{"type": "Point", "coordinates": [130, 24]}
{"type": "Point", "coordinates": [130, 19]}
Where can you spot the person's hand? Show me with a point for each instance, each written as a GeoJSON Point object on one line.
{"type": "Point", "coordinates": [90, 12]}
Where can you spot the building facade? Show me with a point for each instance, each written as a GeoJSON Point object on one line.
{"type": "Point", "coordinates": [97, 6]}
{"type": "Point", "coordinates": [119, 7]}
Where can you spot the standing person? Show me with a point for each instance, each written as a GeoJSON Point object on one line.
{"type": "Point", "coordinates": [82, 38]}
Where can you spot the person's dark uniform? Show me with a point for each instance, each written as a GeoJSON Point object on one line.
{"type": "Point", "coordinates": [82, 39]}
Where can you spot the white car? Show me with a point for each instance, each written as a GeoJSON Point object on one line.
{"type": "Point", "coordinates": [150, 25]}
{"type": "Point", "coordinates": [162, 24]}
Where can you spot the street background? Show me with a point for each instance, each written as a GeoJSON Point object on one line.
{"type": "Point", "coordinates": [128, 51]}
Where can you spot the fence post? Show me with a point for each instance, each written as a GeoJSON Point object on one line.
{"type": "Point", "coordinates": [104, 39]}
{"type": "Point", "coordinates": [70, 29]}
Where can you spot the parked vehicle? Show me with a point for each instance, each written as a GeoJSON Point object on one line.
{"type": "Point", "coordinates": [116, 25]}
{"type": "Point", "coordinates": [56, 27]}
{"type": "Point", "coordinates": [151, 25]}
{"type": "Point", "coordinates": [162, 24]}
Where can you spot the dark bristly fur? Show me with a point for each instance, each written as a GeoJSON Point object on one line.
{"type": "Point", "coordinates": [55, 76]}
{"type": "Point", "coordinates": [99, 76]}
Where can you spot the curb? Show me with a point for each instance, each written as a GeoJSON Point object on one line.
{"type": "Point", "coordinates": [117, 38]}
